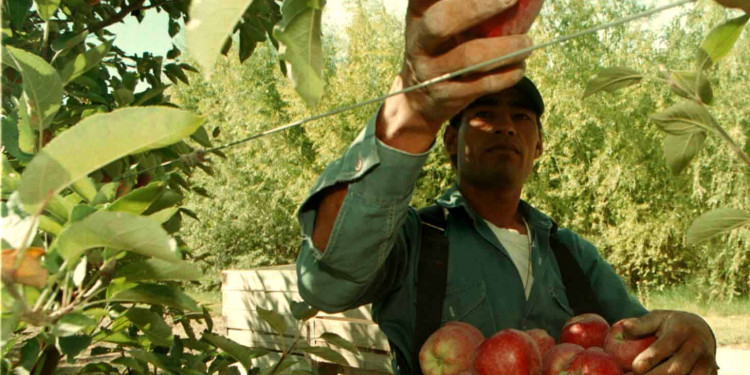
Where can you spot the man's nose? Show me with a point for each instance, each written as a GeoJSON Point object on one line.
{"type": "Point", "coordinates": [503, 124]}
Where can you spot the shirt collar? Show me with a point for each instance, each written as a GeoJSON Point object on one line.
{"type": "Point", "coordinates": [452, 199]}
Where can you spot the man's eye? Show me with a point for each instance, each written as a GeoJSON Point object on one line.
{"type": "Point", "coordinates": [484, 114]}
{"type": "Point", "coordinates": [521, 117]}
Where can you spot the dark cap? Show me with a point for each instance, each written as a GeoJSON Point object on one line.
{"type": "Point", "coordinates": [526, 86]}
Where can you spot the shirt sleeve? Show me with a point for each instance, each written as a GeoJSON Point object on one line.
{"type": "Point", "coordinates": [367, 252]}
{"type": "Point", "coordinates": [611, 294]}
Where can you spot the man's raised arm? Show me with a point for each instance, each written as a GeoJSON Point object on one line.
{"type": "Point", "coordinates": [438, 41]}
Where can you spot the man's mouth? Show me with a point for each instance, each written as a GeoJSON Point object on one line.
{"type": "Point", "coordinates": [504, 147]}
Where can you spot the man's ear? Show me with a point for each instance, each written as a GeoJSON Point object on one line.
{"type": "Point", "coordinates": [539, 149]}
{"type": "Point", "coordinates": [450, 140]}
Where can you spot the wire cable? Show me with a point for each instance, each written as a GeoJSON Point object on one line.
{"type": "Point", "coordinates": [199, 155]}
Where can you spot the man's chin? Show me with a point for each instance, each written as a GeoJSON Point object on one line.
{"type": "Point", "coordinates": [500, 179]}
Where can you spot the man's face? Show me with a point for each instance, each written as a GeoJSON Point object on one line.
{"type": "Point", "coordinates": [498, 141]}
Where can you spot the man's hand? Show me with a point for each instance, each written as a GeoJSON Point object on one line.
{"type": "Point", "coordinates": [685, 344]}
{"type": "Point", "coordinates": [439, 40]}
{"type": "Point", "coordinates": [742, 4]}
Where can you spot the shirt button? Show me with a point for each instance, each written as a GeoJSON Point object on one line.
{"type": "Point", "coordinates": [358, 165]}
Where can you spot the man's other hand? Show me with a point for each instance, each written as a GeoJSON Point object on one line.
{"type": "Point", "coordinates": [685, 344]}
{"type": "Point", "coordinates": [742, 4]}
{"type": "Point", "coordinates": [439, 39]}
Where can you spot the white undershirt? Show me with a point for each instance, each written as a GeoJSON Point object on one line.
{"type": "Point", "coordinates": [517, 245]}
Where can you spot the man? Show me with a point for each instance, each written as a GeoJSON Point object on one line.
{"type": "Point", "coordinates": [362, 239]}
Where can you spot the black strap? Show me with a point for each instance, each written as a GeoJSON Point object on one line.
{"type": "Point", "coordinates": [432, 277]}
{"type": "Point", "coordinates": [581, 297]}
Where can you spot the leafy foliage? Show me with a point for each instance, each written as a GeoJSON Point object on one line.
{"type": "Point", "coordinates": [602, 172]}
{"type": "Point", "coordinates": [96, 164]}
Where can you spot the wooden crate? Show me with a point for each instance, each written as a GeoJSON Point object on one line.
{"type": "Point", "coordinates": [274, 288]}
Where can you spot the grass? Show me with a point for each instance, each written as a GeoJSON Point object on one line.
{"type": "Point", "coordinates": [730, 320]}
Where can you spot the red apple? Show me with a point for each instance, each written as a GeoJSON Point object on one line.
{"type": "Point", "coordinates": [450, 349]}
{"type": "Point", "coordinates": [625, 347]}
{"type": "Point", "coordinates": [542, 339]}
{"type": "Point", "coordinates": [508, 352]}
{"type": "Point", "coordinates": [555, 359]}
{"type": "Point", "coordinates": [586, 330]}
{"type": "Point", "coordinates": [593, 362]}
{"type": "Point", "coordinates": [514, 20]}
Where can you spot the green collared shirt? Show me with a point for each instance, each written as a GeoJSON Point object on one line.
{"type": "Point", "coordinates": [373, 249]}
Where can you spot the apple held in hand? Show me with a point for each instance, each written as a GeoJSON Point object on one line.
{"type": "Point", "coordinates": [625, 347]}
{"type": "Point", "coordinates": [450, 349]}
{"type": "Point", "coordinates": [514, 20]}
{"type": "Point", "coordinates": [555, 359]}
{"type": "Point", "coordinates": [586, 330]}
{"type": "Point", "coordinates": [542, 339]}
{"type": "Point", "coordinates": [508, 352]}
{"type": "Point", "coordinates": [592, 362]}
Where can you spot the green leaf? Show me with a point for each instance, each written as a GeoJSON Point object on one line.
{"type": "Point", "coordinates": [720, 41]}
{"type": "Point", "coordinates": [132, 364]}
{"type": "Point", "coordinates": [98, 368]}
{"type": "Point", "coordinates": [117, 230]}
{"type": "Point", "coordinates": [123, 97]}
{"type": "Point", "coordinates": [116, 337]}
{"type": "Point", "coordinates": [11, 139]}
{"type": "Point", "coordinates": [26, 137]}
{"type": "Point", "coordinates": [299, 36]}
{"type": "Point", "coordinates": [611, 80]}
{"type": "Point", "coordinates": [164, 215]}
{"type": "Point", "coordinates": [177, 72]}
{"type": "Point", "coordinates": [139, 199]}
{"type": "Point", "coordinates": [302, 311]}
{"type": "Point", "coordinates": [691, 85]}
{"type": "Point", "coordinates": [47, 8]}
{"type": "Point", "coordinates": [716, 222]}
{"type": "Point", "coordinates": [201, 136]}
{"type": "Point", "coordinates": [83, 62]}
{"type": "Point", "coordinates": [152, 324]}
{"type": "Point", "coordinates": [42, 87]}
{"type": "Point", "coordinates": [10, 179]}
{"type": "Point", "coordinates": [60, 207]}
{"type": "Point", "coordinates": [48, 225]}
{"type": "Point", "coordinates": [239, 352]}
{"type": "Point", "coordinates": [71, 346]}
{"type": "Point", "coordinates": [679, 150]}
{"type": "Point", "coordinates": [157, 294]}
{"type": "Point", "coordinates": [98, 140]}
{"type": "Point", "coordinates": [171, 365]}
{"type": "Point", "coordinates": [29, 354]}
{"type": "Point", "coordinates": [250, 35]}
{"type": "Point", "coordinates": [81, 211]}
{"type": "Point", "coordinates": [274, 319]}
{"type": "Point", "coordinates": [211, 23]}
{"type": "Point", "coordinates": [145, 96]}
{"type": "Point", "coordinates": [155, 269]}
{"type": "Point", "coordinates": [18, 11]}
{"type": "Point", "coordinates": [327, 354]}
{"type": "Point", "coordinates": [85, 188]}
{"type": "Point", "coordinates": [686, 117]}
{"type": "Point", "coordinates": [339, 341]}
{"type": "Point", "coordinates": [69, 40]}
{"type": "Point", "coordinates": [71, 324]}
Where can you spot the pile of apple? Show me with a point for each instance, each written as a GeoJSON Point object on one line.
{"type": "Point", "coordinates": [588, 346]}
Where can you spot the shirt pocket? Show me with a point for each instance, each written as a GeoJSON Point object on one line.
{"type": "Point", "coordinates": [466, 300]}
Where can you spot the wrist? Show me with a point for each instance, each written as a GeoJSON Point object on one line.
{"type": "Point", "coordinates": [402, 127]}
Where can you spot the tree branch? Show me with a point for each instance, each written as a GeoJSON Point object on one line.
{"type": "Point", "coordinates": [135, 5]}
